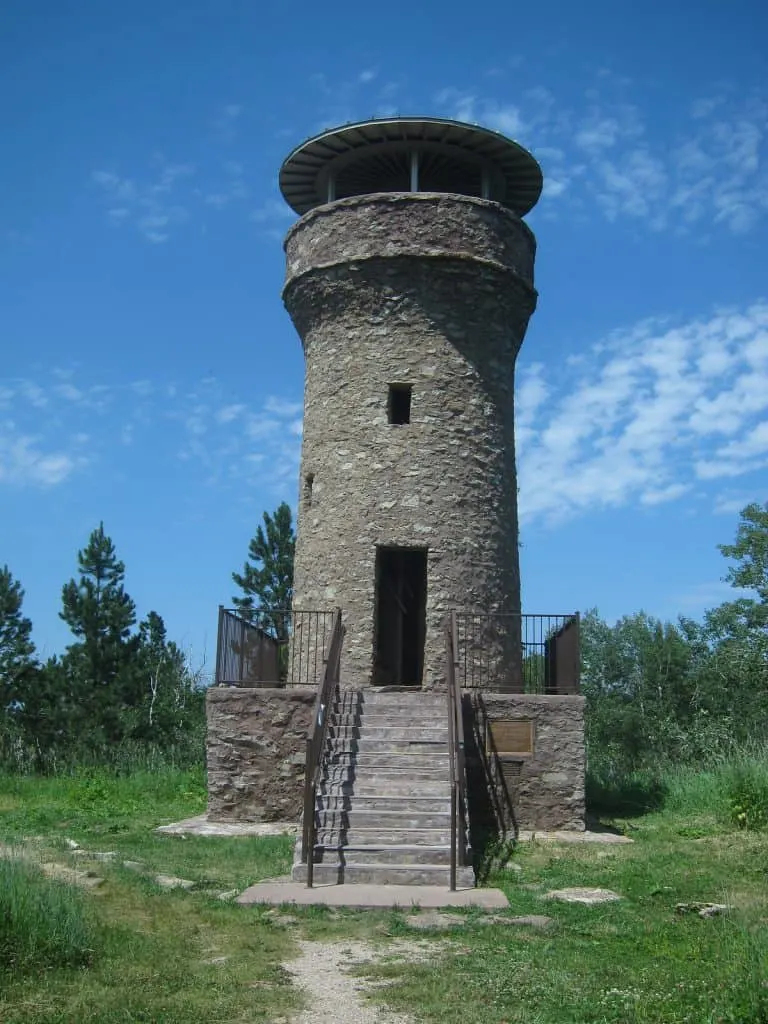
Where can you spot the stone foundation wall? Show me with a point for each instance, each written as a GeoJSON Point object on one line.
{"type": "Point", "coordinates": [256, 748]}
{"type": "Point", "coordinates": [542, 791]}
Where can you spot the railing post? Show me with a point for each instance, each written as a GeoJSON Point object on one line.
{"type": "Point", "coordinates": [219, 648]}
{"type": "Point", "coordinates": [453, 836]}
{"type": "Point", "coordinates": [242, 653]}
{"type": "Point", "coordinates": [308, 811]}
{"type": "Point", "coordinates": [311, 852]}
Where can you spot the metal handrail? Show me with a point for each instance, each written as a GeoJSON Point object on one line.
{"type": "Point", "coordinates": [456, 753]}
{"type": "Point", "coordinates": [315, 743]}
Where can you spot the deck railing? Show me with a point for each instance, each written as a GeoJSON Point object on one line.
{"type": "Point", "coordinates": [518, 653]}
{"type": "Point", "coordinates": [271, 647]}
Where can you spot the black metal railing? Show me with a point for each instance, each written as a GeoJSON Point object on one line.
{"type": "Point", "coordinates": [518, 653]}
{"type": "Point", "coordinates": [271, 647]}
{"type": "Point", "coordinates": [327, 692]}
{"type": "Point", "coordinates": [456, 754]}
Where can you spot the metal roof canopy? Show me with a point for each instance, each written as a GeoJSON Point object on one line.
{"type": "Point", "coordinates": [410, 154]}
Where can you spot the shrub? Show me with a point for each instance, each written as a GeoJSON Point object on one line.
{"type": "Point", "coordinates": [43, 923]}
{"type": "Point", "coordinates": [747, 790]}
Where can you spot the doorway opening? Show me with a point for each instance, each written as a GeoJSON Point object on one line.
{"type": "Point", "coordinates": [401, 616]}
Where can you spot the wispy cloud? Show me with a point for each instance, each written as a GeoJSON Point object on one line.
{"type": "Point", "coordinates": [652, 414]}
{"type": "Point", "coordinates": [225, 122]}
{"type": "Point", "coordinates": [29, 460]}
{"type": "Point", "coordinates": [47, 435]}
{"type": "Point", "coordinates": [151, 207]}
{"type": "Point", "coordinates": [272, 217]}
{"type": "Point", "coordinates": [713, 171]}
{"type": "Point", "coordinates": [646, 416]}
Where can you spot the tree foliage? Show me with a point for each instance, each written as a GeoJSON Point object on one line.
{"type": "Point", "coordinates": [113, 686]}
{"type": "Point", "coordinates": [660, 693]}
{"type": "Point", "coordinates": [17, 652]}
{"type": "Point", "coordinates": [267, 577]}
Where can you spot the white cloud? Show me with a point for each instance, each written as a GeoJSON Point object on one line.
{"type": "Point", "coordinates": [23, 462]}
{"type": "Point", "coordinates": [606, 152]}
{"type": "Point", "coordinates": [230, 412]}
{"type": "Point", "coordinates": [642, 416]}
{"type": "Point", "coordinates": [730, 505]}
{"type": "Point", "coordinates": [148, 206]}
{"type": "Point", "coordinates": [281, 407]}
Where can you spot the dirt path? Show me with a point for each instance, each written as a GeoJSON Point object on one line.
{"type": "Point", "coordinates": [335, 997]}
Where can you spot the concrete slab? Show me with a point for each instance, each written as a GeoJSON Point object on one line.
{"type": "Point", "coordinates": [202, 826]}
{"type": "Point", "coordinates": [371, 896]}
{"type": "Point", "coordinates": [586, 836]}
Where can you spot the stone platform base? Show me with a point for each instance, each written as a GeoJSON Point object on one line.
{"type": "Point", "coordinates": [256, 752]}
{"type": "Point", "coordinates": [525, 761]}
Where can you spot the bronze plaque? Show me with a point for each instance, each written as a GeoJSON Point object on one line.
{"type": "Point", "coordinates": [511, 737]}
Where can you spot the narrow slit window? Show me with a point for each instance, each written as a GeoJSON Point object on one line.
{"type": "Point", "coordinates": [399, 406]}
{"type": "Point", "coordinates": [309, 480]}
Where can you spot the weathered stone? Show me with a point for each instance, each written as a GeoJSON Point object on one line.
{"type": "Point", "coordinates": [528, 920]}
{"type": "Point", "coordinates": [434, 291]}
{"type": "Point", "coordinates": [62, 873]}
{"type": "Point", "coordinates": [256, 767]}
{"type": "Point", "coordinates": [704, 910]}
{"type": "Point", "coordinates": [171, 882]}
{"type": "Point", "coordinates": [547, 788]}
{"type": "Point", "coordinates": [433, 920]}
{"type": "Point", "coordinates": [579, 894]}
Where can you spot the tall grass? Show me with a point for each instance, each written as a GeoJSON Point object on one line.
{"type": "Point", "coordinates": [124, 758]}
{"type": "Point", "coordinates": [730, 788]}
{"type": "Point", "coordinates": [43, 923]}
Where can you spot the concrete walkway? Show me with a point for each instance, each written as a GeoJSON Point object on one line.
{"type": "Point", "coordinates": [371, 896]}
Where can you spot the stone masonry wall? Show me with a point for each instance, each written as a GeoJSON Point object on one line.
{"type": "Point", "coordinates": [433, 291]}
{"type": "Point", "coordinates": [256, 750]}
{"type": "Point", "coordinates": [548, 793]}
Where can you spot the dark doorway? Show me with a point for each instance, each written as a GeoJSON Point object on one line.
{"type": "Point", "coordinates": [401, 613]}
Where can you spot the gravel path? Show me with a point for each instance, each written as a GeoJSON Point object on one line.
{"type": "Point", "coordinates": [334, 995]}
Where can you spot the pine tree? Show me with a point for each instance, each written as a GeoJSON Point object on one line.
{"type": "Point", "coordinates": [267, 578]}
{"type": "Point", "coordinates": [17, 652]}
{"type": "Point", "coordinates": [100, 614]}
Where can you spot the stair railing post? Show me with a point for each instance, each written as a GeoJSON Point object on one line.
{"type": "Point", "coordinates": [453, 837]}
{"type": "Point", "coordinates": [311, 854]}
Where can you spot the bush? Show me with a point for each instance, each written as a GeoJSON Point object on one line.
{"type": "Point", "coordinates": [747, 791]}
{"type": "Point", "coordinates": [43, 923]}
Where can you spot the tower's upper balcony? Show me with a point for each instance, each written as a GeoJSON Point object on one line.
{"type": "Point", "coordinates": [410, 154]}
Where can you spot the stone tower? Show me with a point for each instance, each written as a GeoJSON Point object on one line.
{"type": "Point", "coordinates": [410, 282]}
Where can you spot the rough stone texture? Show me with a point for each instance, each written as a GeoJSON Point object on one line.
{"type": "Point", "coordinates": [548, 793]}
{"type": "Point", "coordinates": [434, 291]}
{"type": "Point", "coordinates": [579, 894]}
{"type": "Point", "coordinates": [256, 740]}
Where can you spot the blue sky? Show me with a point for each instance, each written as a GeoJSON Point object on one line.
{"type": "Point", "coordinates": [150, 376]}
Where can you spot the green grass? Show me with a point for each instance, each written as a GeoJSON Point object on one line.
{"type": "Point", "coordinates": [633, 961]}
{"type": "Point", "coordinates": [43, 924]}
